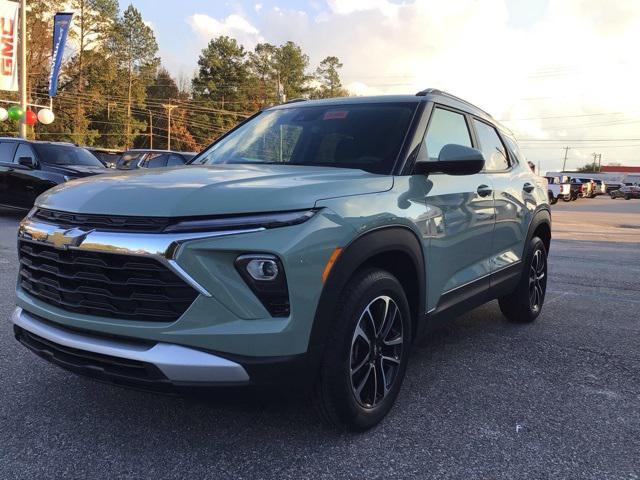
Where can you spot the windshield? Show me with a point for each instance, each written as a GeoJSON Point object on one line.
{"type": "Point", "coordinates": [66, 155]}
{"type": "Point", "coordinates": [366, 136]}
{"type": "Point", "coordinates": [129, 161]}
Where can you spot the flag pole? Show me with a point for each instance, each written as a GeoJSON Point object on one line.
{"type": "Point", "coordinates": [23, 67]}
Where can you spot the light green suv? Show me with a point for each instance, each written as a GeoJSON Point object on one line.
{"type": "Point", "coordinates": [308, 247]}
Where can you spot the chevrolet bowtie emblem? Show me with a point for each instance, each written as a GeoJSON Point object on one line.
{"type": "Point", "coordinates": [64, 239]}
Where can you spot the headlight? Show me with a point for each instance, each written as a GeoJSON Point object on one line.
{"type": "Point", "coordinates": [264, 274]}
{"type": "Point", "coordinates": [260, 220]}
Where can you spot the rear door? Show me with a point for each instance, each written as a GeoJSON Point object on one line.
{"type": "Point", "coordinates": [24, 183]}
{"type": "Point", "coordinates": [7, 149]}
{"type": "Point", "coordinates": [462, 213]}
{"type": "Point", "coordinates": [514, 202]}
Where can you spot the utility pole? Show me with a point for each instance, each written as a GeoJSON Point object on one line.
{"type": "Point", "coordinates": [23, 67]}
{"type": "Point", "coordinates": [599, 162]}
{"type": "Point", "coordinates": [169, 108]}
{"type": "Point", "coordinates": [150, 130]}
{"type": "Point", "coordinates": [566, 152]}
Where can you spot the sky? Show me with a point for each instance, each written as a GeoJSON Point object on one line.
{"type": "Point", "coordinates": [555, 72]}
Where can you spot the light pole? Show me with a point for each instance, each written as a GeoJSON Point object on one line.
{"type": "Point", "coordinates": [23, 67]}
{"type": "Point", "coordinates": [169, 108]}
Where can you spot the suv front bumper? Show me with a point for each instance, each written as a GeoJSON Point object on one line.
{"type": "Point", "coordinates": [150, 364]}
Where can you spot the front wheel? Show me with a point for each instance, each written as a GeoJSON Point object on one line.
{"type": "Point", "coordinates": [525, 303]}
{"type": "Point", "coordinates": [366, 354]}
{"type": "Point", "coordinates": [567, 198]}
{"type": "Point", "coordinates": [627, 197]}
{"type": "Point", "coordinates": [612, 196]}
{"type": "Point", "coordinates": [552, 200]}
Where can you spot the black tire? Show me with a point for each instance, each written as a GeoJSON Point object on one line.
{"type": "Point", "coordinates": [348, 358]}
{"type": "Point", "coordinates": [525, 303]}
{"type": "Point", "coordinates": [627, 197]}
{"type": "Point", "coordinates": [567, 198]}
{"type": "Point", "coordinates": [613, 197]}
{"type": "Point", "coordinates": [552, 200]}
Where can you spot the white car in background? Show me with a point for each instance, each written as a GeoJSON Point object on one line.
{"type": "Point", "coordinates": [558, 190]}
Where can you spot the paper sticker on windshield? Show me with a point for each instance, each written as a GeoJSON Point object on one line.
{"type": "Point", "coordinates": [335, 114]}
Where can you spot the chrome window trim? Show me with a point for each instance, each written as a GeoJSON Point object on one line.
{"type": "Point", "coordinates": [163, 247]}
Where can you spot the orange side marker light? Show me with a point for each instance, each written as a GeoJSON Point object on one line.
{"type": "Point", "coordinates": [332, 259]}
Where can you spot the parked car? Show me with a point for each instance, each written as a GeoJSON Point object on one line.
{"type": "Point", "coordinates": [577, 188]}
{"type": "Point", "coordinates": [305, 248]}
{"type": "Point", "coordinates": [626, 192]}
{"type": "Point", "coordinates": [108, 157]}
{"type": "Point", "coordinates": [610, 186]}
{"type": "Point", "coordinates": [558, 190]}
{"type": "Point", "coordinates": [132, 159]}
{"type": "Point", "coordinates": [28, 168]}
{"type": "Point", "coordinates": [591, 187]}
{"type": "Point", "coordinates": [600, 187]}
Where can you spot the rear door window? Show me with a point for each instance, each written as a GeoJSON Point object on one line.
{"type": "Point", "coordinates": [446, 127]}
{"type": "Point", "coordinates": [495, 155]}
{"type": "Point", "coordinates": [157, 160]}
{"type": "Point", "coordinates": [24, 150]}
{"type": "Point", "coordinates": [175, 160]}
{"type": "Point", "coordinates": [7, 150]}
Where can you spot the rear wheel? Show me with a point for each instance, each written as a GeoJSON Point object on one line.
{"type": "Point", "coordinates": [567, 198]}
{"type": "Point", "coordinates": [525, 303]}
{"type": "Point", "coordinates": [366, 354]}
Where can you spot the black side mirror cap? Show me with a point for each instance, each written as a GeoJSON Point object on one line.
{"type": "Point", "coordinates": [27, 162]}
{"type": "Point", "coordinates": [454, 160]}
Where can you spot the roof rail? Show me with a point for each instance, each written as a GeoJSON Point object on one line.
{"type": "Point", "coordinates": [295, 100]}
{"type": "Point", "coordinates": [435, 91]}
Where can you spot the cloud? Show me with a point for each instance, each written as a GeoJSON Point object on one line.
{"type": "Point", "coordinates": [234, 26]}
{"type": "Point", "coordinates": [576, 57]}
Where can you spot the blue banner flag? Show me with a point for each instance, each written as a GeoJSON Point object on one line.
{"type": "Point", "coordinates": [61, 24]}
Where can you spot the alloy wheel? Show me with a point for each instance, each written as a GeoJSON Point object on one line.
{"type": "Point", "coordinates": [376, 351]}
{"type": "Point", "coordinates": [537, 280]}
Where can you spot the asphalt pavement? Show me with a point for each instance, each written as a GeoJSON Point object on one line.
{"type": "Point", "coordinates": [482, 398]}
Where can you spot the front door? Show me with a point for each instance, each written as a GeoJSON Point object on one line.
{"type": "Point", "coordinates": [461, 217]}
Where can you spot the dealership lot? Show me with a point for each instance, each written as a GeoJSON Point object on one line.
{"type": "Point", "coordinates": [482, 398]}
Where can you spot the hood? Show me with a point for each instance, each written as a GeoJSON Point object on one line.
{"type": "Point", "coordinates": [210, 190]}
{"type": "Point", "coordinates": [76, 170]}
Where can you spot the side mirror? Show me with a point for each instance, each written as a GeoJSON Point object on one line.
{"type": "Point", "coordinates": [454, 160]}
{"type": "Point", "coordinates": [27, 162]}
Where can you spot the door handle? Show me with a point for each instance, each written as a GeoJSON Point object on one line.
{"type": "Point", "coordinates": [484, 191]}
{"type": "Point", "coordinates": [528, 187]}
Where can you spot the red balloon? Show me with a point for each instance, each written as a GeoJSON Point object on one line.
{"type": "Point", "coordinates": [30, 117]}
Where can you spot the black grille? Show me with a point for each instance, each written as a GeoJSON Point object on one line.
{"type": "Point", "coordinates": [120, 371]}
{"type": "Point", "coordinates": [112, 223]}
{"type": "Point", "coordinates": [103, 284]}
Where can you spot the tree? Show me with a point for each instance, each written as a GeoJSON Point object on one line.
{"type": "Point", "coordinates": [93, 21]}
{"type": "Point", "coordinates": [589, 168]}
{"type": "Point", "coordinates": [329, 78]}
{"type": "Point", "coordinates": [262, 63]}
{"type": "Point", "coordinates": [135, 48]}
{"type": "Point", "coordinates": [163, 90]}
{"type": "Point", "coordinates": [291, 64]}
{"type": "Point", "coordinates": [221, 87]}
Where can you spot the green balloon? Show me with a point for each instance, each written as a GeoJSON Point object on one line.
{"type": "Point", "coordinates": [16, 113]}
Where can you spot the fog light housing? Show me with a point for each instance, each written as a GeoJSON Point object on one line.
{"type": "Point", "coordinates": [264, 274]}
{"type": "Point", "coordinates": [264, 269]}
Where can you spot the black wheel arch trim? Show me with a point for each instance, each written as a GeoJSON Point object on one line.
{"type": "Point", "coordinates": [392, 238]}
{"type": "Point", "coordinates": [542, 215]}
